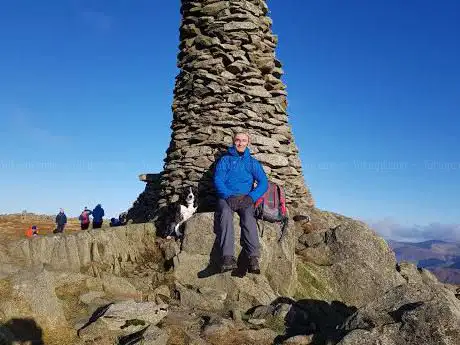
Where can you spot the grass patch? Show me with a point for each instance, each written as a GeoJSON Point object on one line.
{"type": "Point", "coordinates": [59, 336]}
{"type": "Point", "coordinates": [69, 294]}
{"type": "Point", "coordinates": [5, 289]}
{"type": "Point", "coordinates": [276, 324]}
{"type": "Point", "coordinates": [177, 336]}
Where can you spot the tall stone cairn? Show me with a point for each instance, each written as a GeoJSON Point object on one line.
{"type": "Point", "coordinates": [229, 81]}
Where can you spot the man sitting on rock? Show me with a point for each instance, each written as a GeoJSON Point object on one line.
{"type": "Point", "coordinates": [234, 179]}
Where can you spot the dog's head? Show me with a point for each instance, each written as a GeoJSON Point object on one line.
{"type": "Point", "coordinates": [189, 196]}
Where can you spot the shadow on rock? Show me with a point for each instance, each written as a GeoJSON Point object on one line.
{"type": "Point", "coordinates": [317, 318]}
{"type": "Point", "coordinates": [96, 315]}
{"type": "Point", "coordinates": [214, 257]}
{"type": "Point", "coordinates": [207, 196]}
{"type": "Point", "coordinates": [21, 330]}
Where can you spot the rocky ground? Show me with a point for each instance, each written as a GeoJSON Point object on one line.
{"type": "Point", "coordinates": [332, 281]}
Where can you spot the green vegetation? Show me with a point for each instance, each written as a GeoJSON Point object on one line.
{"type": "Point", "coordinates": [133, 322]}
{"type": "Point", "coordinates": [312, 284]}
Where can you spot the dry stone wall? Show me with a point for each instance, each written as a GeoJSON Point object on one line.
{"type": "Point", "coordinates": [229, 80]}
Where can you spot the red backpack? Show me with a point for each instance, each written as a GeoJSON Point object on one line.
{"type": "Point", "coordinates": [84, 217]}
{"type": "Point", "coordinates": [271, 207]}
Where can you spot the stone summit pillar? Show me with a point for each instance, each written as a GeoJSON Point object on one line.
{"type": "Point", "coordinates": [229, 81]}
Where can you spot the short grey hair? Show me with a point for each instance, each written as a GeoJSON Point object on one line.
{"type": "Point", "coordinates": [241, 132]}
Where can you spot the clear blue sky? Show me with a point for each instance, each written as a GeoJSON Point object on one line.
{"type": "Point", "coordinates": [374, 100]}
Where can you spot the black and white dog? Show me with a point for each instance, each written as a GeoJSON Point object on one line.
{"type": "Point", "coordinates": [181, 211]}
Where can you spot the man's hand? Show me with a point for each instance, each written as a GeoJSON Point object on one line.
{"type": "Point", "coordinates": [239, 202]}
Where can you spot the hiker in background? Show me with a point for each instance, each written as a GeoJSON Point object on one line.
{"type": "Point", "coordinates": [84, 219]}
{"type": "Point", "coordinates": [123, 218]}
{"type": "Point", "coordinates": [32, 231]}
{"type": "Point", "coordinates": [114, 222]}
{"type": "Point", "coordinates": [98, 214]}
{"type": "Point", "coordinates": [234, 179]}
{"type": "Point", "coordinates": [61, 221]}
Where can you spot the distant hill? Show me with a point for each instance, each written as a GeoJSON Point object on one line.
{"type": "Point", "coordinates": [442, 258]}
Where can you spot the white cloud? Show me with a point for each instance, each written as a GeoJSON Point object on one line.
{"type": "Point", "coordinates": [415, 233]}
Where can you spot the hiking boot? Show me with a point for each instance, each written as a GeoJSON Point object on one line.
{"type": "Point", "coordinates": [228, 264]}
{"type": "Point", "coordinates": [253, 266]}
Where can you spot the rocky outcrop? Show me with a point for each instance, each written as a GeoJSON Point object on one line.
{"type": "Point", "coordinates": [347, 288]}
{"type": "Point", "coordinates": [93, 251]}
{"type": "Point", "coordinates": [420, 312]}
{"type": "Point", "coordinates": [342, 260]}
{"type": "Point", "coordinates": [229, 80]}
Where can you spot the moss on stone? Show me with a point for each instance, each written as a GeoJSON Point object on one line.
{"type": "Point", "coordinates": [312, 284]}
{"type": "Point", "coordinates": [383, 244]}
{"type": "Point", "coordinates": [133, 322]}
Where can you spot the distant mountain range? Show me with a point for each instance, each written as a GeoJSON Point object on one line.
{"type": "Point", "coordinates": [441, 258]}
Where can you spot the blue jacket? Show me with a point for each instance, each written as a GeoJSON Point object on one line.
{"type": "Point", "coordinates": [235, 175]}
{"type": "Point", "coordinates": [98, 213]}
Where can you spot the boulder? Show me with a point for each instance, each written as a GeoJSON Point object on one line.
{"type": "Point", "coordinates": [155, 336]}
{"type": "Point", "coordinates": [122, 319]}
{"type": "Point", "coordinates": [206, 299]}
{"type": "Point", "coordinates": [416, 313]}
{"type": "Point", "coordinates": [241, 292]}
{"type": "Point", "coordinates": [118, 286]}
{"type": "Point", "coordinates": [30, 293]}
{"type": "Point", "coordinates": [343, 260]}
{"type": "Point", "coordinates": [89, 297]}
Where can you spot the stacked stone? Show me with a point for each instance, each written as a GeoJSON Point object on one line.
{"type": "Point", "coordinates": [229, 81]}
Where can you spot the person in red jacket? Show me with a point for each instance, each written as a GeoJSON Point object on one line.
{"type": "Point", "coordinates": [84, 219]}
{"type": "Point", "coordinates": [32, 231]}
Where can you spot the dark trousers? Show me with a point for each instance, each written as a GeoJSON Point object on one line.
{"type": "Point", "coordinates": [84, 226]}
{"type": "Point", "coordinates": [59, 228]}
{"type": "Point", "coordinates": [97, 225]}
{"type": "Point", "coordinates": [225, 233]}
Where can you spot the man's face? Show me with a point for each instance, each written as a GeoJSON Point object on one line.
{"type": "Point", "coordinates": [241, 141]}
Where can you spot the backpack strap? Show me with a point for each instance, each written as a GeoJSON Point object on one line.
{"type": "Point", "coordinates": [284, 225]}
{"type": "Point", "coordinates": [282, 199]}
{"type": "Point", "coordinates": [260, 228]}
